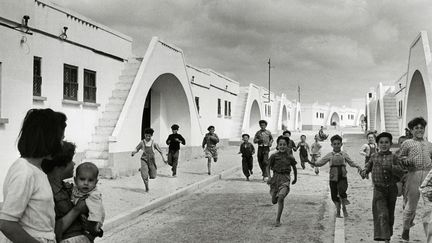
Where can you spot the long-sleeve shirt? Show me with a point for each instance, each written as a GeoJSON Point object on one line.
{"type": "Point", "coordinates": [337, 162]}
{"type": "Point", "coordinates": [210, 140]}
{"type": "Point", "coordinates": [315, 148]}
{"type": "Point", "coordinates": [385, 167]}
{"type": "Point", "coordinates": [263, 138]}
{"type": "Point", "coordinates": [416, 154]}
{"type": "Point", "coordinates": [366, 148]}
{"type": "Point", "coordinates": [173, 144]}
{"type": "Point", "coordinates": [247, 149]}
{"type": "Point", "coordinates": [281, 162]}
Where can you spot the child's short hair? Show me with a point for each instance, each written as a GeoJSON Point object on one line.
{"type": "Point", "coordinates": [41, 133]}
{"type": "Point", "coordinates": [384, 135]}
{"type": "Point", "coordinates": [416, 121]}
{"type": "Point", "coordinates": [285, 132]}
{"type": "Point", "coordinates": [303, 136]}
{"type": "Point", "coordinates": [149, 131]}
{"type": "Point", "coordinates": [282, 138]}
{"type": "Point", "coordinates": [262, 122]}
{"type": "Point", "coordinates": [371, 133]}
{"type": "Point", "coordinates": [61, 159]}
{"type": "Point", "coordinates": [336, 138]}
{"type": "Point", "coordinates": [175, 127]}
{"type": "Point", "coordinates": [210, 127]}
{"type": "Point", "coordinates": [245, 135]}
{"type": "Point", "coordinates": [87, 166]}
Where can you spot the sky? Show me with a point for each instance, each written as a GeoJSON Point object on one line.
{"type": "Point", "coordinates": [334, 49]}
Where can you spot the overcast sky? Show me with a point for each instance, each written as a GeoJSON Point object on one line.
{"type": "Point", "coordinates": [334, 49]}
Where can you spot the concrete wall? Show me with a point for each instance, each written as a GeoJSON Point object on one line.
{"type": "Point", "coordinates": [316, 115]}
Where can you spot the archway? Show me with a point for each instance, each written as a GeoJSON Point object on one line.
{"type": "Point", "coordinates": [378, 117]}
{"type": "Point", "coordinates": [416, 101]}
{"type": "Point", "coordinates": [166, 104]}
{"type": "Point", "coordinates": [254, 118]}
{"type": "Point", "coordinates": [284, 123]}
{"type": "Point", "coordinates": [334, 119]}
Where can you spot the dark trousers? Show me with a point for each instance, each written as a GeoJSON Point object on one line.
{"type": "Point", "coordinates": [173, 160]}
{"type": "Point", "coordinates": [383, 207]}
{"type": "Point", "coordinates": [247, 165]}
{"type": "Point", "coordinates": [338, 189]}
{"type": "Point", "coordinates": [263, 156]}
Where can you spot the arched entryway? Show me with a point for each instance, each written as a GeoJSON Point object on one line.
{"type": "Point", "coordinates": [416, 101]}
{"type": "Point", "coordinates": [284, 122]}
{"type": "Point", "coordinates": [166, 103]}
{"type": "Point", "coordinates": [254, 118]}
{"type": "Point", "coordinates": [334, 119]}
{"type": "Point", "coordinates": [378, 117]}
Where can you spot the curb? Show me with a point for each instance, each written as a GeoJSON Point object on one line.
{"type": "Point", "coordinates": [136, 212]}
{"type": "Point", "coordinates": [339, 235]}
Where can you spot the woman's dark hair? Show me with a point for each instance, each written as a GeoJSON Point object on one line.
{"type": "Point", "coordinates": [41, 133]}
{"type": "Point", "coordinates": [416, 121]}
{"type": "Point", "coordinates": [60, 159]}
{"type": "Point", "coordinates": [282, 138]}
{"type": "Point", "coordinates": [149, 131]}
{"type": "Point", "coordinates": [384, 135]}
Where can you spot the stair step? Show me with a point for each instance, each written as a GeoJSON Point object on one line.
{"type": "Point", "coordinates": [104, 130]}
{"type": "Point", "coordinates": [107, 122]}
{"type": "Point", "coordinates": [98, 146]}
{"type": "Point", "coordinates": [116, 100]}
{"type": "Point", "coordinates": [94, 154]}
{"type": "Point", "coordinates": [112, 115]}
{"type": "Point", "coordinates": [100, 163]}
{"type": "Point", "coordinates": [120, 93]}
{"type": "Point", "coordinates": [129, 71]}
{"type": "Point", "coordinates": [123, 86]}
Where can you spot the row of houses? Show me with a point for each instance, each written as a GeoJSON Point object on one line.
{"type": "Point", "coordinates": [53, 57]}
{"type": "Point", "coordinates": [389, 107]}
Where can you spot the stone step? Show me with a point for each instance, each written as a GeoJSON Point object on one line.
{"type": "Point", "coordinates": [123, 86]}
{"type": "Point", "coordinates": [129, 71]}
{"type": "Point", "coordinates": [112, 115]}
{"type": "Point", "coordinates": [95, 154]}
{"type": "Point", "coordinates": [104, 130]}
{"type": "Point", "coordinates": [129, 78]}
{"type": "Point", "coordinates": [120, 93]}
{"type": "Point", "coordinates": [100, 163]}
{"type": "Point", "coordinates": [114, 107]}
{"type": "Point", "coordinates": [116, 100]}
{"type": "Point", "coordinates": [107, 122]}
{"type": "Point", "coordinates": [98, 146]}
{"type": "Point", "coordinates": [99, 138]}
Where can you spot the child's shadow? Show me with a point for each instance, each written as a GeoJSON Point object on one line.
{"type": "Point", "coordinates": [138, 190]}
{"type": "Point", "coordinates": [163, 175]}
{"type": "Point", "coordinates": [195, 173]}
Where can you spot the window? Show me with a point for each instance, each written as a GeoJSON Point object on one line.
{"type": "Point", "coordinates": [89, 86]}
{"type": "Point", "coordinates": [70, 82]}
{"type": "Point", "coordinates": [197, 103]}
{"type": "Point", "coordinates": [400, 108]}
{"type": "Point", "coordinates": [219, 107]}
{"type": "Point", "coordinates": [37, 77]}
{"type": "Point", "coordinates": [229, 108]}
{"type": "Point", "coordinates": [341, 117]}
{"type": "Point", "coordinates": [317, 115]}
{"type": "Point", "coordinates": [226, 108]}
{"type": "Point", "coordinates": [269, 110]}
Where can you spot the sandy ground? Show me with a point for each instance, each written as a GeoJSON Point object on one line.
{"type": "Point", "coordinates": [235, 210]}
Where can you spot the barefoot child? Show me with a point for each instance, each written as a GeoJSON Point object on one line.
{"type": "Point", "coordinates": [315, 152]}
{"type": "Point", "coordinates": [148, 164]}
{"type": "Point", "coordinates": [173, 141]}
{"type": "Point", "coordinates": [86, 178]}
{"type": "Point", "coordinates": [247, 150]}
{"type": "Point", "coordinates": [209, 145]}
{"type": "Point", "coordinates": [386, 172]}
{"type": "Point", "coordinates": [304, 150]}
{"type": "Point", "coordinates": [338, 174]}
{"type": "Point", "coordinates": [369, 148]}
{"type": "Point", "coordinates": [281, 163]}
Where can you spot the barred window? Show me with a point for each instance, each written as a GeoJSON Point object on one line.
{"type": "Point", "coordinates": [197, 103]}
{"type": "Point", "coordinates": [226, 108]}
{"type": "Point", "coordinates": [219, 108]}
{"type": "Point", "coordinates": [70, 82]}
{"type": "Point", "coordinates": [37, 77]}
{"type": "Point", "coordinates": [229, 108]}
{"type": "Point", "coordinates": [89, 86]}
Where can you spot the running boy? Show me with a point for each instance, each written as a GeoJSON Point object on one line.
{"type": "Point", "coordinates": [173, 141]}
{"type": "Point", "coordinates": [281, 163]}
{"type": "Point", "coordinates": [315, 152]}
{"type": "Point", "coordinates": [86, 179]}
{"type": "Point", "coordinates": [264, 140]}
{"type": "Point", "coordinates": [148, 163]}
{"type": "Point", "coordinates": [369, 148]}
{"type": "Point", "coordinates": [291, 145]}
{"type": "Point", "coordinates": [247, 150]}
{"type": "Point", "coordinates": [304, 151]}
{"type": "Point", "coordinates": [338, 174]}
{"type": "Point", "coordinates": [209, 145]}
{"type": "Point", "coordinates": [386, 172]}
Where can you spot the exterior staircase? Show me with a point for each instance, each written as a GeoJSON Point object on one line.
{"type": "Point", "coordinates": [238, 116]}
{"type": "Point", "coordinates": [390, 114]}
{"type": "Point", "coordinates": [372, 110]}
{"type": "Point", "coordinates": [97, 151]}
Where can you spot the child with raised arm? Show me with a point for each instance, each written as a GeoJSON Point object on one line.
{"type": "Point", "coordinates": [148, 163]}
{"type": "Point", "coordinates": [281, 163]}
{"type": "Point", "coordinates": [247, 150]}
{"type": "Point", "coordinates": [337, 160]}
{"type": "Point", "coordinates": [304, 150]}
{"type": "Point", "coordinates": [315, 152]}
{"type": "Point", "coordinates": [86, 179]}
{"type": "Point", "coordinates": [369, 148]}
{"type": "Point", "coordinates": [173, 141]}
{"type": "Point", "coordinates": [386, 172]}
{"type": "Point", "coordinates": [209, 145]}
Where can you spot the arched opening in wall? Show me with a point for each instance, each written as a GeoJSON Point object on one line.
{"type": "Point", "coordinates": [416, 101]}
{"type": "Point", "coordinates": [334, 119]}
{"type": "Point", "coordinates": [166, 104]}
{"type": "Point", "coordinates": [284, 125]}
{"type": "Point", "coordinates": [378, 117]}
{"type": "Point", "coordinates": [255, 117]}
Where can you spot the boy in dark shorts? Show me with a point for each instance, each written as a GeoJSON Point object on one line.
{"type": "Point", "coordinates": [264, 140]}
{"type": "Point", "coordinates": [173, 141]}
{"type": "Point", "coordinates": [247, 150]}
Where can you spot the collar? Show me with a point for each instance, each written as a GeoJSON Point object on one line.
{"type": "Point", "coordinates": [57, 186]}
{"type": "Point", "coordinates": [418, 139]}
{"type": "Point", "coordinates": [385, 152]}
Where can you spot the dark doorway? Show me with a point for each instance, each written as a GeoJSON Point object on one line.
{"type": "Point", "coordinates": [146, 121]}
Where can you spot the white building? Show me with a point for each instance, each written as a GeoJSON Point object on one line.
{"type": "Point", "coordinates": [53, 57]}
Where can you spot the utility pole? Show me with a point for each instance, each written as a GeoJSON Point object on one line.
{"type": "Point", "coordinates": [269, 67]}
{"type": "Point", "coordinates": [298, 90]}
